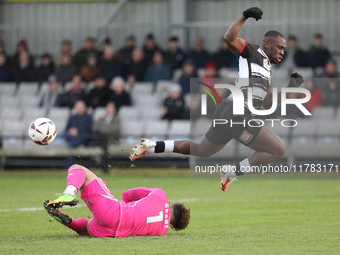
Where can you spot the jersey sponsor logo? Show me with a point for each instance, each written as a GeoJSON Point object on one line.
{"type": "Point", "coordinates": [246, 137]}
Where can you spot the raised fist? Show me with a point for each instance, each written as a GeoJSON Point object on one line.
{"type": "Point", "coordinates": [295, 80]}
{"type": "Point", "coordinates": [253, 12]}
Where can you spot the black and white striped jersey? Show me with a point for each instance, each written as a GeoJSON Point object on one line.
{"type": "Point", "coordinates": [254, 73]}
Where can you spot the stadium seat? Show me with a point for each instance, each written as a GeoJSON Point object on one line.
{"type": "Point", "coordinates": [129, 113]}
{"type": "Point", "coordinates": [156, 130]}
{"type": "Point", "coordinates": [9, 101]}
{"type": "Point", "coordinates": [146, 101]}
{"type": "Point", "coordinates": [324, 113]}
{"type": "Point", "coordinates": [98, 113]}
{"type": "Point", "coordinates": [60, 123]}
{"type": "Point", "coordinates": [29, 145]}
{"type": "Point", "coordinates": [60, 118]}
{"type": "Point", "coordinates": [151, 113]}
{"type": "Point", "coordinates": [14, 128]}
{"type": "Point", "coordinates": [131, 131]}
{"type": "Point", "coordinates": [306, 72]}
{"type": "Point", "coordinates": [303, 138]}
{"type": "Point", "coordinates": [7, 88]}
{"type": "Point", "coordinates": [59, 142]}
{"type": "Point", "coordinates": [279, 73]}
{"type": "Point", "coordinates": [10, 113]}
{"type": "Point", "coordinates": [224, 72]}
{"type": "Point", "coordinates": [31, 114]}
{"type": "Point", "coordinates": [142, 88]}
{"type": "Point", "coordinates": [337, 114]}
{"type": "Point", "coordinates": [162, 90]}
{"type": "Point", "coordinates": [28, 101]}
{"type": "Point", "coordinates": [12, 143]}
{"type": "Point", "coordinates": [163, 87]}
{"type": "Point", "coordinates": [179, 129]}
{"type": "Point", "coordinates": [28, 89]}
{"type": "Point", "coordinates": [62, 112]}
{"type": "Point", "coordinates": [327, 138]}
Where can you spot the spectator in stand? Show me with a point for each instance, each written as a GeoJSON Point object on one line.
{"type": "Point", "coordinates": [294, 56]}
{"type": "Point", "coordinates": [118, 93]}
{"type": "Point", "coordinates": [5, 69]}
{"type": "Point", "coordinates": [107, 128]}
{"type": "Point", "coordinates": [3, 51]}
{"type": "Point", "coordinates": [150, 48]}
{"type": "Point", "coordinates": [316, 99]}
{"type": "Point", "coordinates": [81, 57]}
{"type": "Point", "coordinates": [21, 48]}
{"type": "Point", "coordinates": [46, 68]}
{"type": "Point", "coordinates": [105, 45]}
{"type": "Point", "coordinates": [73, 94]}
{"type": "Point", "coordinates": [318, 54]}
{"type": "Point", "coordinates": [332, 93]}
{"type": "Point", "coordinates": [110, 65]}
{"type": "Point", "coordinates": [199, 55]}
{"type": "Point", "coordinates": [66, 48]}
{"type": "Point", "coordinates": [158, 69]}
{"type": "Point", "coordinates": [135, 71]}
{"type": "Point", "coordinates": [90, 70]}
{"type": "Point", "coordinates": [188, 73]}
{"type": "Point", "coordinates": [211, 73]}
{"type": "Point", "coordinates": [330, 72]}
{"type": "Point", "coordinates": [66, 71]}
{"type": "Point", "coordinates": [224, 57]}
{"type": "Point", "coordinates": [174, 56]}
{"type": "Point", "coordinates": [99, 96]}
{"type": "Point", "coordinates": [126, 51]}
{"type": "Point", "coordinates": [173, 106]}
{"type": "Point", "coordinates": [25, 70]}
{"type": "Point", "coordinates": [79, 126]}
{"type": "Point", "coordinates": [50, 97]}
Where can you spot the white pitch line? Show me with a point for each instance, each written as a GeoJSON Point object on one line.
{"type": "Point", "coordinates": [32, 209]}
{"type": "Point", "coordinates": [196, 200]}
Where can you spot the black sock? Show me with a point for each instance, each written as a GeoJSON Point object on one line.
{"type": "Point", "coordinates": [238, 170]}
{"type": "Point", "coordinates": [160, 147]}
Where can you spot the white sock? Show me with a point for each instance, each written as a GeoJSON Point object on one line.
{"type": "Point", "coordinates": [169, 146]}
{"type": "Point", "coordinates": [71, 190]}
{"type": "Point", "coordinates": [245, 166]}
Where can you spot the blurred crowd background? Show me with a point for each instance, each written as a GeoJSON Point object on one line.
{"type": "Point", "coordinates": [112, 87]}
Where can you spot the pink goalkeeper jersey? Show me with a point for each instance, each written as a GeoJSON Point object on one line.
{"type": "Point", "coordinates": [144, 212]}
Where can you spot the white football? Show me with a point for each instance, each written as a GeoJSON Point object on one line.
{"type": "Point", "coordinates": [42, 131]}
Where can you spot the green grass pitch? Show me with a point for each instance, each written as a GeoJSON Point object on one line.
{"type": "Point", "coordinates": [254, 216]}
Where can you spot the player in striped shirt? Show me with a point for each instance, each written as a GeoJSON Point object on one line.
{"type": "Point", "coordinates": [254, 73]}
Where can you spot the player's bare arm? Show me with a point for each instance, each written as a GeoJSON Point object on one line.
{"type": "Point", "coordinates": [235, 43]}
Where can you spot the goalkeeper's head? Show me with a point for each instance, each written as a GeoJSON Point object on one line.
{"type": "Point", "coordinates": [180, 216]}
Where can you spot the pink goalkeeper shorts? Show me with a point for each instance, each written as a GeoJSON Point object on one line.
{"type": "Point", "coordinates": [104, 207]}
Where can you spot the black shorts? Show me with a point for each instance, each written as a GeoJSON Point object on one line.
{"type": "Point", "coordinates": [239, 127]}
